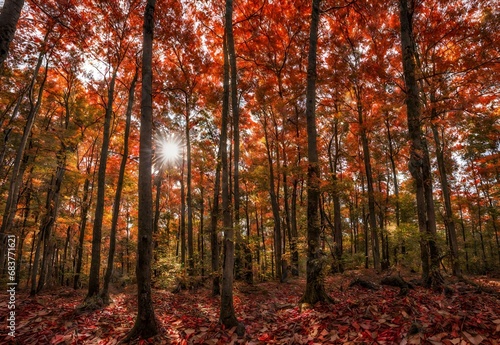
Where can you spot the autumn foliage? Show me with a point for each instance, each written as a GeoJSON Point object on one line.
{"type": "Point", "coordinates": [381, 150]}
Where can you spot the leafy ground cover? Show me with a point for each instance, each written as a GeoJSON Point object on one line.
{"type": "Point", "coordinates": [469, 315]}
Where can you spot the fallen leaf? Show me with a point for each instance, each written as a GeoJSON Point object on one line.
{"type": "Point", "coordinates": [475, 340]}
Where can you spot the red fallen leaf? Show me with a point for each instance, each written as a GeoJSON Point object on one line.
{"type": "Point", "coordinates": [60, 339]}
{"type": "Point", "coordinates": [264, 337]}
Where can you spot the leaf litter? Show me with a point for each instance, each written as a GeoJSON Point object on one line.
{"type": "Point", "coordinates": [271, 315]}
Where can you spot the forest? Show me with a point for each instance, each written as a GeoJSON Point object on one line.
{"type": "Point", "coordinates": [250, 172]}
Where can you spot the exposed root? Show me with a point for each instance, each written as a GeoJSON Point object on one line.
{"type": "Point", "coordinates": [398, 281]}
{"type": "Point", "coordinates": [364, 284]}
{"type": "Point", "coordinates": [94, 302]}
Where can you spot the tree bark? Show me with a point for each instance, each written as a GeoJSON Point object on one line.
{"type": "Point", "coordinates": [315, 290]}
{"type": "Point", "coordinates": [227, 314]}
{"type": "Point", "coordinates": [118, 194]}
{"type": "Point", "coordinates": [189, 196]}
{"type": "Point", "coordinates": [274, 204]}
{"type": "Point", "coordinates": [214, 238]}
{"type": "Point", "coordinates": [146, 325]}
{"type": "Point", "coordinates": [95, 263]}
{"type": "Point", "coordinates": [9, 16]}
{"type": "Point", "coordinates": [16, 179]}
{"type": "Point", "coordinates": [337, 221]}
{"type": "Point", "coordinates": [372, 217]}
{"type": "Point", "coordinates": [419, 164]}
{"type": "Point", "coordinates": [449, 221]}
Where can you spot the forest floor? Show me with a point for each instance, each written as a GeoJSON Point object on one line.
{"type": "Point", "coordinates": [271, 315]}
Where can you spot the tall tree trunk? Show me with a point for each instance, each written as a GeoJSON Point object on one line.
{"type": "Point", "coordinates": [95, 263]}
{"type": "Point", "coordinates": [182, 227]}
{"type": "Point", "coordinates": [449, 222]}
{"type": "Point", "coordinates": [189, 196]}
{"type": "Point", "coordinates": [466, 246]}
{"type": "Point", "coordinates": [248, 251]}
{"type": "Point", "coordinates": [145, 325]}
{"type": "Point", "coordinates": [119, 187]}
{"type": "Point", "coordinates": [372, 217]}
{"type": "Point", "coordinates": [83, 225]}
{"type": "Point", "coordinates": [337, 221]}
{"type": "Point", "coordinates": [201, 232]}
{"type": "Point", "coordinates": [231, 52]}
{"type": "Point", "coordinates": [227, 314]}
{"type": "Point", "coordinates": [214, 238]}
{"type": "Point", "coordinates": [47, 223]}
{"type": "Point", "coordinates": [315, 290]}
{"type": "Point", "coordinates": [9, 16]}
{"type": "Point", "coordinates": [16, 178]}
{"type": "Point", "coordinates": [274, 204]}
{"type": "Point", "coordinates": [419, 165]}
{"type": "Point", "coordinates": [65, 255]}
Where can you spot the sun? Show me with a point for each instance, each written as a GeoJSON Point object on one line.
{"type": "Point", "coordinates": [168, 149]}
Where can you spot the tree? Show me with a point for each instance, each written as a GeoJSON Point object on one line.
{"type": "Point", "coordinates": [315, 290]}
{"type": "Point", "coordinates": [227, 314]}
{"type": "Point", "coordinates": [116, 205]}
{"type": "Point", "coordinates": [9, 16]}
{"type": "Point", "coordinates": [146, 325]}
{"type": "Point", "coordinates": [419, 163]}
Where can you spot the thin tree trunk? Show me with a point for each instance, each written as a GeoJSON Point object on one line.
{"type": "Point", "coordinates": [201, 232]}
{"type": "Point", "coordinates": [16, 178]}
{"type": "Point", "coordinates": [337, 221]}
{"type": "Point", "coordinates": [95, 263]}
{"type": "Point", "coordinates": [214, 238]}
{"type": "Point", "coordinates": [189, 196]}
{"type": "Point", "coordinates": [274, 205]}
{"type": "Point", "coordinates": [372, 217]}
{"type": "Point", "coordinates": [81, 238]}
{"type": "Point", "coordinates": [446, 192]}
{"type": "Point", "coordinates": [119, 187]}
{"type": "Point", "coordinates": [48, 220]}
{"type": "Point", "coordinates": [66, 246]}
{"type": "Point", "coordinates": [182, 232]}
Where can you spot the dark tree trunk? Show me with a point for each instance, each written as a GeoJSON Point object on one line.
{"type": "Point", "coordinates": [201, 232]}
{"type": "Point", "coordinates": [231, 52]}
{"type": "Point", "coordinates": [315, 290]}
{"type": "Point", "coordinates": [95, 263]}
{"type": "Point", "coordinates": [182, 228]}
{"type": "Point", "coordinates": [214, 238]}
{"type": "Point", "coordinates": [419, 164]}
{"type": "Point", "coordinates": [274, 204]}
{"type": "Point", "coordinates": [227, 314]}
{"type": "Point", "coordinates": [337, 221]}
{"type": "Point", "coordinates": [189, 196]}
{"type": "Point", "coordinates": [372, 217]}
{"type": "Point", "coordinates": [146, 325]}
{"type": "Point", "coordinates": [16, 179]}
{"type": "Point", "coordinates": [118, 195]}
{"type": "Point", "coordinates": [47, 223]}
{"type": "Point", "coordinates": [83, 224]}
{"type": "Point", "coordinates": [9, 16]}
{"type": "Point", "coordinates": [449, 221]}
